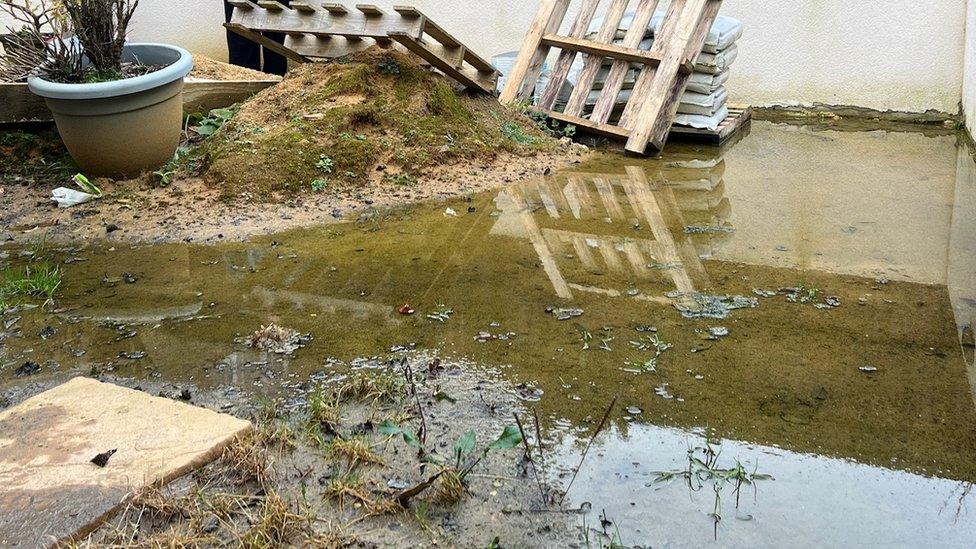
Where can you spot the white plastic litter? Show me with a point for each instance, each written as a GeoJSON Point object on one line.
{"type": "Point", "coordinates": [66, 197]}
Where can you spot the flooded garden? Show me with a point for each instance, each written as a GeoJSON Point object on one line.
{"type": "Point", "coordinates": [746, 345]}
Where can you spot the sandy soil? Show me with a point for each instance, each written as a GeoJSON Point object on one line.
{"type": "Point", "coordinates": [192, 211]}
{"type": "Point", "coordinates": [205, 68]}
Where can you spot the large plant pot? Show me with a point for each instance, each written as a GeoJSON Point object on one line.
{"type": "Point", "coordinates": [124, 127]}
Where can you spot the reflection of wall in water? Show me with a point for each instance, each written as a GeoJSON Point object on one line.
{"type": "Point", "coordinates": [961, 271]}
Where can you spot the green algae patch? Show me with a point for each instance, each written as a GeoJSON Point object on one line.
{"type": "Point", "coordinates": [374, 118]}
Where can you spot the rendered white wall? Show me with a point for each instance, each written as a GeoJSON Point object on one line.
{"type": "Point", "coordinates": [902, 55]}
{"type": "Point", "coordinates": [969, 70]}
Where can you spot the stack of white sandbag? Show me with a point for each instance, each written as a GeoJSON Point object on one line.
{"type": "Point", "coordinates": [703, 104]}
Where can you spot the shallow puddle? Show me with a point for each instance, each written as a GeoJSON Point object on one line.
{"type": "Point", "coordinates": [809, 293]}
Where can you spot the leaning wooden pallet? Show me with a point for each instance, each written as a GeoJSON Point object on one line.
{"type": "Point", "coordinates": [665, 68]}
{"type": "Point", "coordinates": [330, 30]}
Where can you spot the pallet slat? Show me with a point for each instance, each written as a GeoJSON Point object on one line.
{"type": "Point", "coordinates": [313, 34]}
{"type": "Point", "coordinates": [593, 63]}
{"type": "Point", "coordinates": [609, 50]}
{"type": "Point", "coordinates": [663, 77]}
{"type": "Point", "coordinates": [566, 57]}
{"type": "Point", "coordinates": [618, 71]}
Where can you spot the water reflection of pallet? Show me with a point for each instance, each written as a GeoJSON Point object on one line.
{"type": "Point", "coordinates": [739, 119]}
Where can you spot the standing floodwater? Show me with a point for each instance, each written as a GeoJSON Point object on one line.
{"type": "Point", "coordinates": [805, 299]}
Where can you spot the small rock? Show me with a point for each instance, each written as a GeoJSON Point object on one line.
{"type": "Point", "coordinates": [101, 460]}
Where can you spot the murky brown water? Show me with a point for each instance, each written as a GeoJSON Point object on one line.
{"type": "Point", "coordinates": [847, 372]}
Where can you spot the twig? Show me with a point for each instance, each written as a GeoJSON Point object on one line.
{"type": "Point", "coordinates": [606, 415]}
{"type": "Point", "coordinates": [538, 440]}
{"type": "Point", "coordinates": [408, 372]}
{"type": "Point", "coordinates": [403, 498]}
{"type": "Point", "coordinates": [528, 456]}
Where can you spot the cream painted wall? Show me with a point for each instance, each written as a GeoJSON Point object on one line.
{"type": "Point", "coordinates": [891, 55]}
{"type": "Point", "coordinates": [969, 70]}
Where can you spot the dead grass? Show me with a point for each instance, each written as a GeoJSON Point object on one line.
{"type": "Point", "coordinates": [373, 386]}
{"type": "Point", "coordinates": [354, 451]}
{"type": "Point", "coordinates": [450, 487]}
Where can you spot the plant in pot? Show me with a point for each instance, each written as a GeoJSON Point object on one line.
{"type": "Point", "coordinates": [118, 106]}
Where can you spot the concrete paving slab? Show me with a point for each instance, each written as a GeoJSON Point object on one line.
{"type": "Point", "coordinates": [51, 491]}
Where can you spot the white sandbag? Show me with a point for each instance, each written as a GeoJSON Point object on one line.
{"type": "Point", "coordinates": [724, 32]}
{"type": "Point", "coordinates": [703, 82]}
{"type": "Point", "coordinates": [701, 121]}
{"type": "Point", "coordinates": [504, 62]}
{"type": "Point", "coordinates": [703, 103]}
{"type": "Point", "coordinates": [714, 63]}
{"type": "Point", "coordinates": [691, 102]}
{"type": "Point", "coordinates": [625, 22]}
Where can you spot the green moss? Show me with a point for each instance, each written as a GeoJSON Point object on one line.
{"type": "Point", "coordinates": [445, 102]}
{"type": "Point", "coordinates": [360, 113]}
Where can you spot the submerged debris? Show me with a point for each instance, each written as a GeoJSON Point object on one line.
{"type": "Point", "coordinates": [564, 314]}
{"type": "Point", "coordinates": [28, 369]}
{"type": "Point", "coordinates": [705, 229]}
{"type": "Point", "coordinates": [528, 393]}
{"type": "Point", "coordinates": [712, 306]}
{"type": "Point", "coordinates": [718, 331]}
{"type": "Point", "coordinates": [278, 340]}
{"type": "Point", "coordinates": [441, 316]}
{"type": "Point", "coordinates": [663, 392]}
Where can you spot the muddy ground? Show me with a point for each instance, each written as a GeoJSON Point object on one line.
{"type": "Point", "coordinates": [321, 469]}
{"type": "Point", "coordinates": [193, 211]}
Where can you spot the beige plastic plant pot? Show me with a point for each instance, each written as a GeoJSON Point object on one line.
{"type": "Point", "coordinates": [124, 127]}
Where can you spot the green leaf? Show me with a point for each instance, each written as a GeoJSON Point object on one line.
{"type": "Point", "coordinates": [410, 438]}
{"type": "Point", "coordinates": [465, 444]}
{"type": "Point", "coordinates": [389, 428]}
{"type": "Point", "coordinates": [510, 438]}
{"type": "Point", "coordinates": [222, 114]}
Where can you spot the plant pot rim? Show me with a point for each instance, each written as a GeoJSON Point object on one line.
{"type": "Point", "coordinates": [101, 90]}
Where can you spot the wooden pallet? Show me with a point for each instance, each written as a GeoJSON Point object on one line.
{"type": "Point", "coordinates": [666, 68]}
{"type": "Point", "coordinates": [330, 30]}
{"type": "Point", "coordinates": [739, 118]}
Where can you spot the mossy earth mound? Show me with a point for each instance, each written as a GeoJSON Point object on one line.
{"type": "Point", "coordinates": [375, 118]}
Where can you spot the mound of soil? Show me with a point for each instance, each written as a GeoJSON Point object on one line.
{"type": "Point", "coordinates": [205, 68]}
{"type": "Point", "coordinates": [375, 118]}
